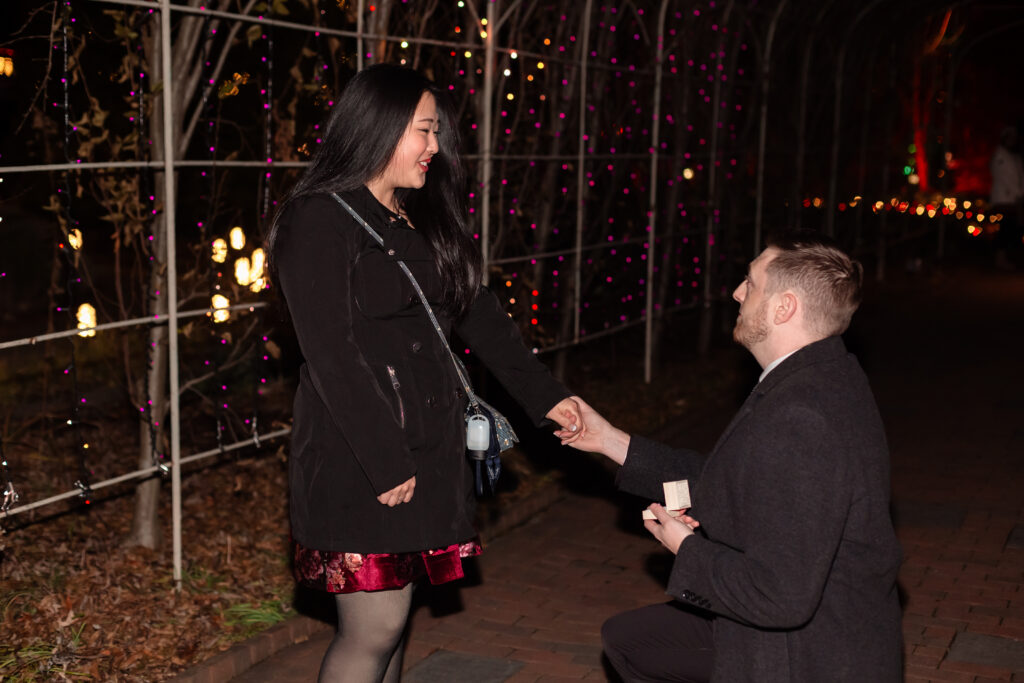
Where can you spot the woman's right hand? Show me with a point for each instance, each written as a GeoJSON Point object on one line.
{"type": "Point", "coordinates": [400, 494]}
{"type": "Point", "coordinates": [600, 436]}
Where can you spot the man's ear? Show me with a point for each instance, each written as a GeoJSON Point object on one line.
{"type": "Point", "coordinates": [785, 308]}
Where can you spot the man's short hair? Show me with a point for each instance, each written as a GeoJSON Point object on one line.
{"type": "Point", "coordinates": [816, 267]}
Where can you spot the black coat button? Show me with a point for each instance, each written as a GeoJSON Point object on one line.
{"type": "Point", "coordinates": [416, 346]}
{"type": "Point", "coordinates": [391, 252]}
{"type": "Point", "coordinates": [431, 401]}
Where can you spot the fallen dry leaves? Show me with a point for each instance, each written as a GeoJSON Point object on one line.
{"type": "Point", "coordinates": [77, 605]}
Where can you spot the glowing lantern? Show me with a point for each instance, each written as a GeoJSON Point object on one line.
{"type": "Point", "coordinates": [256, 279]}
{"type": "Point", "coordinates": [220, 305]}
{"type": "Point", "coordinates": [86, 320]}
{"type": "Point", "coordinates": [237, 238]}
{"type": "Point", "coordinates": [220, 250]}
{"type": "Point", "coordinates": [75, 238]}
{"type": "Point", "coordinates": [242, 271]}
{"type": "Point", "coordinates": [6, 62]}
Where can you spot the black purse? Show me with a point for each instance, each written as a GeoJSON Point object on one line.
{"type": "Point", "coordinates": [483, 449]}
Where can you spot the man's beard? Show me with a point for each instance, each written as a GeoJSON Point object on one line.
{"type": "Point", "coordinates": [753, 329]}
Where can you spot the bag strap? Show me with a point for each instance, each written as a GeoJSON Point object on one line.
{"type": "Point", "coordinates": [423, 299]}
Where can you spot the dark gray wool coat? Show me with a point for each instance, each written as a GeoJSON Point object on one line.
{"type": "Point", "coordinates": [378, 400]}
{"type": "Point", "coordinates": [797, 558]}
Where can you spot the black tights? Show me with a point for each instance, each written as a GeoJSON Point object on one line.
{"type": "Point", "coordinates": [370, 640]}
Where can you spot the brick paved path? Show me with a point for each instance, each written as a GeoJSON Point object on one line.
{"type": "Point", "coordinates": [945, 355]}
{"type": "Point", "coordinates": [546, 588]}
{"type": "Point", "coordinates": [949, 386]}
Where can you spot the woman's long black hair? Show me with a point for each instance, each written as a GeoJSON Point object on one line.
{"type": "Point", "coordinates": [363, 131]}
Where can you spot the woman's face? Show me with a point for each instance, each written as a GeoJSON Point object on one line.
{"type": "Point", "coordinates": [411, 160]}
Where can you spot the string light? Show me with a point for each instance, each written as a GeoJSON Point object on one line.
{"type": "Point", "coordinates": [542, 111]}
{"type": "Point", "coordinates": [242, 271]}
{"type": "Point", "coordinates": [6, 62]}
{"type": "Point", "coordinates": [237, 238]}
{"type": "Point", "coordinates": [220, 313]}
{"type": "Point", "coordinates": [7, 491]}
{"type": "Point", "coordinates": [86, 317]}
{"type": "Point", "coordinates": [220, 250]}
{"type": "Point", "coordinates": [257, 282]}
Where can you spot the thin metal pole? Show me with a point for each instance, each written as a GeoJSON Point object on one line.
{"type": "Point", "coordinates": [801, 126]}
{"type": "Point", "coordinates": [577, 294]}
{"type": "Point", "coordinates": [487, 151]}
{"type": "Point", "coordinates": [234, 163]}
{"type": "Point", "coordinates": [766, 68]}
{"type": "Point", "coordinates": [341, 33]}
{"type": "Point", "coordinates": [131, 322]}
{"type": "Point", "coordinates": [359, 35]}
{"type": "Point", "coordinates": [833, 181]}
{"type": "Point", "coordinates": [145, 472]}
{"type": "Point", "coordinates": [652, 206]}
{"type": "Point", "coordinates": [172, 283]}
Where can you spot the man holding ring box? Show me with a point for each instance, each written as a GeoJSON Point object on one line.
{"type": "Point", "coordinates": [786, 562]}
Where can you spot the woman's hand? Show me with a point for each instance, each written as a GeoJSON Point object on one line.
{"type": "Point", "coordinates": [600, 435]}
{"type": "Point", "coordinates": [569, 416]}
{"type": "Point", "coordinates": [400, 494]}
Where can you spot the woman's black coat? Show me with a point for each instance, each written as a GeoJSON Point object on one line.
{"type": "Point", "coordinates": [378, 400]}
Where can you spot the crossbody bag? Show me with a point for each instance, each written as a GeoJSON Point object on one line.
{"type": "Point", "coordinates": [488, 432]}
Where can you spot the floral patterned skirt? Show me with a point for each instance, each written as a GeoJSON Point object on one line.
{"type": "Point", "coordinates": [338, 572]}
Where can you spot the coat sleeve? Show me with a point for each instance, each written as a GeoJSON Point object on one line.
{"type": "Point", "coordinates": [314, 258]}
{"type": "Point", "coordinates": [494, 337]}
{"type": "Point", "coordinates": [792, 497]}
{"type": "Point", "coordinates": [650, 463]}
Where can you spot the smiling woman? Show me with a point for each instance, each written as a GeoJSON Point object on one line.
{"type": "Point", "coordinates": [381, 489]}
{"type": "Point", "coordinates": [411, 160]}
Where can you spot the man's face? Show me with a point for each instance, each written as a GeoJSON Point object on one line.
{"type": "Point", "coordinates": [752, 326]}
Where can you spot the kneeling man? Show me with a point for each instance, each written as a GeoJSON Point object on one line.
{"type": "Point", "coordinates": [786, 561]}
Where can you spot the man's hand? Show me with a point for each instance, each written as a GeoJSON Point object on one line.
{"type": "Point", "coordinates": [670, 531]}
{"type": "Point", "coordinates": [400, 494]}
{"type": "Point", "coordinates": [599, 437]}
{"type": "Point", "coordinates": [569, 416]}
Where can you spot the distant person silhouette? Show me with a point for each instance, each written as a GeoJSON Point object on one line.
{"type": "Point", "coordinates": [1007, 197]}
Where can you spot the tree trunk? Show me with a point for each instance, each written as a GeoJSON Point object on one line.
{"type": "Point", "coordinates": [146, 520]}
{"type": "Point", "coordinates": [146, 527]}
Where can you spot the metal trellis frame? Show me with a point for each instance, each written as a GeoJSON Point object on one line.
{"type": "Point", "coordinates": [487, 156]}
